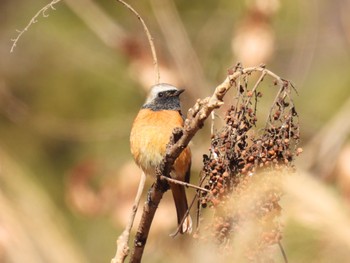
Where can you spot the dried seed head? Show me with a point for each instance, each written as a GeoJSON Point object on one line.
{"type": "Point", "coordinates": [238, 152]}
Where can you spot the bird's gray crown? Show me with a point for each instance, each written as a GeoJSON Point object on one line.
{"type": "Point", "coordinates": [163, 96]}
{"type": "Point", "coordinates": [156, 89]}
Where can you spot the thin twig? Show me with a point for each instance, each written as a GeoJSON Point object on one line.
{"type": "Point", "coordinates": [33, 21]}
{"type": "Point", "coordinates": [261, 78]}
{"type": "Point", "coordinates": [188, 211]}
{"type": "Point", "coordinates": [212, 123]}
{"type": "Point", "coordinates": [149, 37]}
{"type": "Point", "coordinates": [283, 252]}
{"type": "Point", "coordinates": [198, 212]}
{"type": "Point", "coordinates": [268, 121]}
{"type": "Point", "coordinates": [184, 183]}
{"type": "Point", "coordinates": [123, 240]}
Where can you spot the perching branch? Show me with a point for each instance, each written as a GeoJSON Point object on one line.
{"type": "Point", "coordinates": [155, 194]}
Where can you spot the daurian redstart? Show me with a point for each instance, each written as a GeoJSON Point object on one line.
{"type": "Point", "coordinates": [150, 134]}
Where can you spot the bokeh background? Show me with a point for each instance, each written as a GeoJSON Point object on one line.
{"type": "Point", "coordinates": [70, 90]}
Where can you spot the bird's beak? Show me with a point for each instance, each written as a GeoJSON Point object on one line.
{"type": "Point", "coordinates": [177, 93]}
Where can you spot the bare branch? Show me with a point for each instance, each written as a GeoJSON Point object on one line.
{"type": "Point", "coordinates": [42, 12]}
{"type": "Point", "coordinates": [184, 183]}
{"type": "Point", "coordinates": [155, 194]}
{"type": "Point", "coordinates": [283, 252]}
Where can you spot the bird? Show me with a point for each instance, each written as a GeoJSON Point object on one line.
{"type": "Point", "coordinates": [150, 134]}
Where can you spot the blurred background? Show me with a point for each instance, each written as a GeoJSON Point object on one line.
{"type": "Point", "coordinates": [70, 89]}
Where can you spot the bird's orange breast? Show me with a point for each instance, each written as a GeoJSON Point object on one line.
{"type": "Point", "coordinates": [150, 134]}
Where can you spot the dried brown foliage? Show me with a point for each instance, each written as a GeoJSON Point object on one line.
{"type": "Point", "coordinates": [244, 166]}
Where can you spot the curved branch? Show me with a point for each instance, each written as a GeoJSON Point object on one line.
{"type": "Point", "coordinates": [150, 40]}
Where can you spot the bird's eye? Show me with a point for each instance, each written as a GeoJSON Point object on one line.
{"type": "Point", "coordinates": [160, 94]}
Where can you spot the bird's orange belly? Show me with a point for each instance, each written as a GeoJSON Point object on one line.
{"type": "Point", "coordinates": [149, 136]}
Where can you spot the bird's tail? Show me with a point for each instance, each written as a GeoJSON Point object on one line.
{"type": "Point", "coordinates": [181, 205]}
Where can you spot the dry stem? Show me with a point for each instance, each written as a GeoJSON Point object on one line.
{"type": "Point", "coordinates": [184, 183]}
{"type": "Point", "coordinates": [150, 40]}
{"type": "Point", "coordinates": [43, 10]}
{"type": "Point", "coordinates": [33, 21]}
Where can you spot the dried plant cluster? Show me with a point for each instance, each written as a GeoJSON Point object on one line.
{"type": "Point", "coordinates": [244, 165]}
